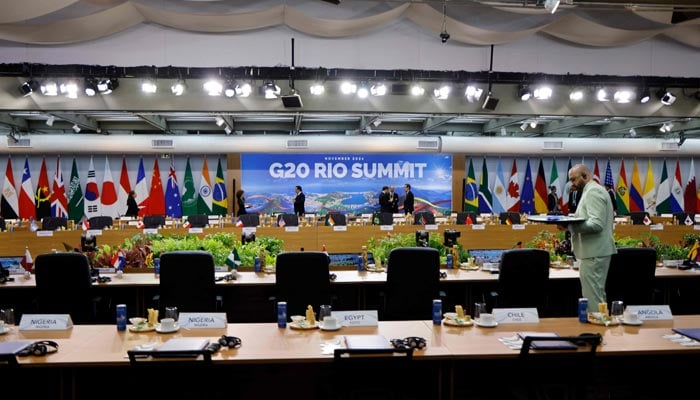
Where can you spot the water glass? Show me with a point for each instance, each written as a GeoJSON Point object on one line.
{"type": "Point", "coordinates": [324, 311]}
{"type": "Point", "coordinates": [8, 315]}
{"type": "Point", "coordinates": [617, 310]}
{"type": "Point", "coordinates": [171, 312]}
{"type": "Point", "coordinates": [479, 308]}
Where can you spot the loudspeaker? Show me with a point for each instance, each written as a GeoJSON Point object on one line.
{"type": "Point", "coordinates": [292, 101]}
{"type": "Point", "coordinates": [490, 103]}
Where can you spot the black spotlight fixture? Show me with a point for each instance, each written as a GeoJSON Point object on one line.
{"type": "Point", "coordinates": [106, 86]}
{"type": "Point", "coordinates": [422, 238]}
{"type": "Point", "coordinates": [247, 237]}
{"type": "Point", "coordinates": [90, 87]}
{"type": "Point", "coordinates": [28, 87]}
{"type": "Point", "coordinates": [644, 96]}
{"type": "Point", "coordinates": [444, 36]}
{"type": "Point", "coordinates": [451, 237]}
{"type": "Point", "coordinates": [667, 98]}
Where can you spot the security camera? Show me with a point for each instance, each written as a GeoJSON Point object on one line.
{"type": "Point", "coordinates": [444, 36]}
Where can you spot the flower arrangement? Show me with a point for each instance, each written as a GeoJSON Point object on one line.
{"type": "Point", "coordinates": [558, 245]}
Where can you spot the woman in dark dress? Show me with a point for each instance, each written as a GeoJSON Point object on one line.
{"type": "Point", "coordinates": [132, 208]}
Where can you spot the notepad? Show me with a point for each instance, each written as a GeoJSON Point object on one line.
{"type": "Point", "coordinates": [13, 347]}
{"type": "Point", "coordinates": [547, 344]}
{"type": "Point", "coordinates": [693, 333]}
{"type": "Point", "coordinates": [367, 342]}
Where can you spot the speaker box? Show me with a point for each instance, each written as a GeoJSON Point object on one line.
{"type": "Point", "coordinates": [292, 101]}
{"type": "Point", "coordinates": [490, 103]}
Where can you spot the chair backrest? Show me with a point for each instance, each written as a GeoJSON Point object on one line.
{"type": "Point", "coordinates": [63, 286]}
{"type": "Point", "coordinates": [513, 217]}
{"type": "Point", "coordinates": [3, 225]}
{"type": "Point", "coordinates": [423, 218]}
{"type": "Point", "coordinates": [336, 218]}
{"type": "Point", "coordinates": [637, 218]}
{"type": "Point", "coordinates": [383, 218]}
{"type": "Point", "coordinates": [250, 219]}
{"type": "Point", "coordinates": [412, 283]}
{"type": "Point", "coordinates": [101, 222]}
{"type": "Point", "coordinates": [631, 276]}
{"type": "Point", "coordinates": [187, 281]}
{"type": "Point", "coordinates": [462, 217]}
{"type": "Point", "coordinates": [153, 221]}
{"type": "Point", "coordinates": [53, 223]}
{"type": "Point", "coordinates": [681, 217]}
{"type": "Point", "coordinates": [302, 279]}
{"type": "Point", "coordinates": [289, 220]}
{"type": "Point", "coordinates": [523, 278]}
{"type": "Point", "coordinates": [198, 220]}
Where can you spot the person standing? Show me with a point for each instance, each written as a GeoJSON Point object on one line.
{"type": "Point", "coordinates": [574, 197]}
{"type": "Point", "coordinates": [611, 192]}
{"type": "Point", "coordinates": [132, 208]}
{"type": "Point", "coordinates": [240, 200]}
{"type": "Point", "coordinates": [553, 200]}
{"type": "Point", "coordinates": [393, 199]}
{"type": "Point", "coordinates": [384, 200]}
{"type": "Point", "coordinates": [299, 201]}
{"type": "Point", "coordinates": [592, 239]}
{"type": "Point", "coordinates": [408, 200]}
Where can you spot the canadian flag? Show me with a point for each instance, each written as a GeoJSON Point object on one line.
{"type": "Point", "coordinates": [27, 261]}
{"type": "Point", "coordinates": [86, 224]}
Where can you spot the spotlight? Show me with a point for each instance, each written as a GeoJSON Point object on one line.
{"type": "Point", "coordinates": [149, 86]}
{"type": "Point", "coordinates": [220, 120]}
{"type": "Point", "coordinates": [543, 93]}
{"type": "Point", "coordinates": [317, 89]}
{"type": "Point", "coordinates": [523, 126]}
{"type": "Point", "coordinates": [50, 120]}
{"type": "Point", "coordinates": [667, 98]}
{"type": "Point", "coordinates": [213, 87]}
{"type": "Point", "coordinates": [644, 95]}
{"type": "Point", "coordinates": [270, 90]}
{"type": "Point", "coordinates": [247, 237]}
{"type": "Point", "coordinates": [49, 88]}
{"type": "Point", "coordinates": [229, 89]}
{"type": "Point", "coordinates": [178, 87]}
{"type": "Point", "coordinates": [451, 237]}
{"type": "Point", "coordinates": [69, 89]}
{"type": "Point", "coordinates": [76, 128]}
{"type": "Point", "coordinates": [473, 93]}
{"type": "Point", "coordinates": [602, 95]}
{"type": "Point", "coordinates": [576, 95]}
{"type": "Point", "coordinates": [442, 93]}
{"type": "Point", "coordinates": [633, 132]}
{"type": "Point", "coordinates": [422, 239]}
{"type": "Point", "coordinates": [90, 87]}
{"type": "Point", "coordinates": [623, 96]}
{"type": "Point", "coordinates": [348, 87]}
{"type": "Point", "coordinates": [417, 90]}
{"type": "Point", "coordinates": [107, 86]}
{"type": "Point", "coordinates": [524, 92]}
{"type": "Point", "coordinates": [243, 89]}
{"type": "Point", "coordinates": [444, 36]}
{"type": "Point", "coordinates": [363, 91]}
{"type": "Point", "coordinates": [28, 87]}
{"type": "Point", "coordinates": [228, 130]}
{"type": "Point", "coordinates": [666, 127]}
{"type": "Point", "coordinates": [378, 89]}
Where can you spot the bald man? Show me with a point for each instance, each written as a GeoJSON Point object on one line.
{"type": "Point", "coordinates": [592, 240]}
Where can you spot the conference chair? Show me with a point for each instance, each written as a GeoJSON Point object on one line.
{"type": "Point", "coordinates": [288, 220]}
{"type": "Point", "coordinates": [336, 218]}
{"type": "Point", "coordinates": [198, 220]}
{"type": "Point", "coordinates": [53, 223]}
{"type": "Point", "coordinates": [153, 221]}
{"type": "Point", "coordinates": [523, 280]}
{"type": "Point", "coordinates": [249, 219]}
{"type": "Point", "coordinates": [423, 218]}
{"type": "Point", "coordinates": [462, 218]}
{"type": "Point", "coordinates": [637, 218]}
{"type": "Point", "coordinates": [100, 222]}
{"type": "Point", "coordinates": [505, 217]}
{"type": "Point", "coordinates": [383, 218]}
{"type": "Point", "coordinates": [64, 286]}
{"type": "Point", "coordinates": [631, 276]}
{"type": "Point", "coordinates": [3, 225]}
{"type": "Point", "coordinates": [302, 278]}
{"type": "Point", "coordinates": [412, 283]}
{"type": "Point", "coordinates": [187, 281]}
{"type": "Point", "coordinates": [681, 218]}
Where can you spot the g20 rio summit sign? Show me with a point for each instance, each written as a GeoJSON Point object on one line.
{"type": "Point", "coordinates": [347, 183]}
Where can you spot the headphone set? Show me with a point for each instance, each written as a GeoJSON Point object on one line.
{"type": "Point", "coordinates": [101, 279]}
{"type": "Point", "coordinates": [40, 348]}
{"type": "Point", "coordinates": [411, 342]}
{"type": "Point", "coordinates": [232, 342]}
{"type": "Point", "coordinates": [227, 278]}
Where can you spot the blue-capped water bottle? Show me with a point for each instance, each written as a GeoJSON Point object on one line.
{"type": "Point", "coordinates": [121, 317]}
{"type": "Point", "coordinates": [360, 263]}
{"type": "Point", "coordinates": [437, 312]}
{"type": "Point", "coordinates": [583, 309]}
{"type": "Point", "coordinates": [281, 314]}
{"type": "Point", "coordinates": [257, 264]}
{"type": "Point", "coordinates": [450, 261]}
{"type": "Point", "coordinates": [156, 267]}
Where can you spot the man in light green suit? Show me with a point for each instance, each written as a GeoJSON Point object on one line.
{"type": "Point", "coordinates": [592, 240]}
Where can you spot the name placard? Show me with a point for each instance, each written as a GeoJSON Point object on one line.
{"type": "Point", "coordinates": [656, 227]}
{"type": "Point", "coordinates": [45, 322]}
{"type": "Point", "coordinates": [150, 230]}
{"type": "Point", "coordinates": [202, 320]}
{"type": "Point", "coordinates": [696, 227]}
{"type": "Point", "coordinates": [94, 232]}
{"type": "Point", "coordinates": [106, 270]}
{"type": "Point", "coordinates": [340, 228]}
{"type": "Point", "coordinates": [133, 223]}
{"type": "Point", "coordinates": [196, 230]}
{"type": "Point", "coordinates": [357, 318]}
{"type": "Point", "coordinates": [516, 315]}
{"type": "Point", "coordinates": [431, 227]}
{"type": "Point", "coordinates": [44, 233]}
{"type": "Point", "coordinates": [478, 227]}
{"type": "Point", "coordinates": [386, 227]}
{"type": "Point", "coordinates": [291, 229]}
{"type": "Point", "coordinates": [652, 312]}
{"type": "Point", "coordinates": [248, 229]}
{"type": "Point", "coordinates": [518, 227]}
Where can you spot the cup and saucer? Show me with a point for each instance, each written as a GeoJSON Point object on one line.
{"type": "Point", "coordinates": [330, 324]}
{"type": "Point", "coordinates": [167, 325]}
{"type": "Point", "coordinates": [486, 321]}
{"type": "Point", "coordinates": [631, 318]}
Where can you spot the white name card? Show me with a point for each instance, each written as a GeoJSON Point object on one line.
{"type": "Point", "coordinates": [94, 232]}
{"type": "Point", "coordinates": [44, 233]}
{"type": "Point", "coordinates": [249, 229]}
{"type": "Point", "coordinates": [196, 230]}
{"type": "Point", "coordinates": [516, 315]}
{"type": "Point", "coordinates": [696, 227]}
{"type": "Point", "coordinates": [656, 227]}
{"type": "Point", "coordinates": [357, 318]}
{"type": "Point", "coordinates": [45, 322]}
{"type": "Point", "coordinates": [620, 220]}
{"type": "Point", "coordinates": [340, 228]}
{"type": "Point", "coordinates": [386, 227]}
{"type": "Point", "coordinates": [133, 223]}
{"type": "Point", "coordinates": [478, 227]}
{"type": "Point", "coordinates": [169, 222]}
{"type": "Point", "coordinates": [202, 320]}
{"type": "Point", "coordinates": [106, 270]}
{"type": "Point", "coordinates": [518, 227]}
{"type": "Point", "coordinates": [431, 227]}
{"type": "Point", "coordinates": [150, 230]}
{"type": "Point", "coordinates": [652, 312]}
{"type": "Point", "coordinates": [291, 229]}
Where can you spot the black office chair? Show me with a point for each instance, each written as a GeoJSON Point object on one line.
{"type": "Point", "coordinates": [198, 220]}
{"type": "Point", "coordinates": [681, 218]}
{"type": "Point", "coordinates": [462, 218]}
{"type": "Point", "coordinates": [101, 222]}
{"type": "Point", "coordinates": [412, 283]}
{"type": "Point", "coordinates": [3, 225]}
{"type": "Point", "coordinates": [383, 218]}
{"type": "Point", "coordinates": [631, 276]}
{"type": "Point", "coordinates": [637, 218]}
{"type": "Point", "coordinates": [53, 223]}
{"type": "Point", "coordinates": [513, 217]}
{"type": "Point", "coordinates": [187, 282]}
{"type": "Point", "coordinates": [153, 221]}
{"type": "Point", "coordinates": [64, 286]}
{"type": "Point", "coordinates": [289, 220]}
{"type": "Point", "coordinates": [335, 218]}
{"type": "Point", "coordinates": [523, 279]}
{"type": "Point", "coordinates": [250, 219]}
{"type": "Point", "coordinates": [423, 218]}
{"type": "Point", "coordinates": [301, 279]}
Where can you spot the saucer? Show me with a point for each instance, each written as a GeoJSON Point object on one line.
{"type": "Point", "coordinates": [636, 323]}
{"type": "Point", "coordinates": [4, 330]}
{"type": "Point", "coordinates": [457, 322]}
{"type": "Point", "coordinates": [491, 325]}
{"type": "Point", "coordinates": [303, 325]}
{"type": "Point", "coordinates": [174, 329]}
{"type": "Point", "coordinates": [323, 328]}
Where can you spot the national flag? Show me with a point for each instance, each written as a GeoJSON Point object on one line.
{"type": "Point", "coordinates": [43, 193]}
{"type": "Point", "coordinates": [693, 252]}
{"type": "Point", "coordinates": [27, 207]}
{"type": "Point", "coordinates": [677, 200]}
{"type": "Point", "coordinates": [688, 220]}
{"type": "Point", "coordinates": [86, 224]}
{"type": "Point", "coordinates": [118, 260]}
{"type": "Point", "coordinates": [27, 260]}
{"type": "Point", "coordinates": [663, 194]}
{"type": "Point", "coordinates": [156, 198]}
{"type": "Point", "coordinates": [140, 224]}
{"type": "Point", "coordinates": [608, 176]}
{"type": "Point", "coordinates": [508, 221]}
{"type": "Point", "coordinates": [219, 200]}
{"type": "Point", "coordinates": [233, 260]}
{"type": "Point", "coordinates": [92, 193]}
{"type": "Point", "coordinates": [173, 203]}
{"type": "Point", "coordinates": [690, 198]}
{"type": "Point", "coordinates": [565, 193]}
{"type": "Point", "coordinates": [485, 199]}
{"type": "Point", "coordinates": [189, 196]}
{"type": "Point", "coordinates": [59, 202]}
{"type": "Point", "coordinates": [423, 219]}
{"type": "Point", "coordinates": [556, 182]}
{"type": "Point", "coordinates": [239, 223]}
{"type": "Point", "coordinates": [76, 208]}
{"type": "Point", "coordinates": [204, 198]}
{"type": "Point", "coordinates": [468, 220]}
{"type": "Point", "coordinates": [513, 192]}
{"type": "Point", "coordinates": [187, 224]}
{"type": "Point", "coordinates": [141, 189]}
{"type": "Point", "coordinates": [329, 220]}
{"type": "Point", "coordinates": [281, 221]}
{"type": "Point", "coordinates": [108, 196]}
{"type": "Point", "coordinates": [499, 191]}
{"type": "Point", "coordinates": [636, 200]}
{"type": "Point", "coordinates": [596, 173]}
{"type": "Point", "coordinates": [527, 198]}
{"type": "Point", "coordinates": [471, 191]}
{"type": "Point", "coordinates": [622, 193]}
{"type": "Point", "coordinates": [10, 203]}
{"type": "Point", "coordinates": [540, 194]}
{"type": "Point", "coordinates": [33, 226]}
{"type": "Point", "coordinates": [647, 220]}
{"type": "Point", "coordinates": [123, 189]}
{"type": "Point", "coordinates": [650, 191]}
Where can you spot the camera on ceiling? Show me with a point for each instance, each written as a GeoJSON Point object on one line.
{"type": "Point", "coordinates": [444, 36]}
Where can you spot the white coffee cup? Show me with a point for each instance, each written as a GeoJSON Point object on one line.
{"type": "Point", "coordinates": [167, 324]}
{"type": "Point", "coordinates": [631, 316]}
{"type": "Point", "coordinates": [330, 322]}
{"type": "Point", "coordinates": [486, 318]}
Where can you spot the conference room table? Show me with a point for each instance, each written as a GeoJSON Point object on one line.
{"type": "Point", "coordinates": [275, 362]}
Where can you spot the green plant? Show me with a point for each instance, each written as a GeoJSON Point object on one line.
{"type": "Point", "coordinates": [671, 252]}
{"type": "Point", "coordinates": [381, 247]}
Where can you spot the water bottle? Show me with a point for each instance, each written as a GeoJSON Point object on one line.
{"type": "Point", "coordinates": [257, 264]}
{"type": "Point", "coordinates": [583, 309]}
{"type": "Point", "coordinates": [121, 317]}
{"type": "Point", "coordinates": [360, 264]}
{"type": "Point", "coordinates": [450, 261]}
{"type": "Point", "coordinates": [437, 312]}
{"type": "Point", "coordinates": [281, 314]}
{"type": "Point", "coordinates": [156, 267]}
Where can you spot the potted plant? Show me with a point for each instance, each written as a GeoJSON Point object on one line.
{"type": "Point", "coordinates": [671, 255]}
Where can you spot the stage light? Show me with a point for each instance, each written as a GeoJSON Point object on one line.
{"type": "Point", "coordinates": [473, 93]}
{"type": "Point", "coordinates": [451, 237]}
{"type": "Point", "coordinates": [551, 5]}
{"type": "Point", "coordinates": [317, 89]}
{"type": "Point", "coordinates": [348, 87]}
{"type": "Point", "coordinates": [417, 90]}
{"type": "Point", "coordinates": [602, 95]}
{"type": "Point", "coordinates": [378, 89]}
{"type": "Point", "coordinates": [107, 86]}
{"type": "Point", "coordinates": [576, 95]}
{"type": "Point", "coordinates": [422, 239]}
{"type": "Point", "coordinates": [243, 89]}
{"type": "Point", "coordinates": [220, 120]}
{"type": "Point", "coordinates": [69, 89]}
{"type": "Point", "coordinates": [363, 91]}
{"type": "Point", "coordinates": [178, 87]}
{"type": "Point", "coordinates": [543, 93]}
{"type": "Point", "coordinates": [149, 86]}
{"type": "Point", "coordinates": [28, 87]}
{"type": "Point", "coordinates": [76, 128]}
{"type": "Point", "coordinates": [442, 93]}
{"type": "Point", "coordinates": [49, 88]}
{"type": "Point", "coordinates": [270, 90]}
{"type": "Point", "coordinates": [524, 92]}
{"type": "Point", "coordinates": [633, 132]}
{"type": "Point", "coordinates": [229, 89]}
{"type": "Point", "coordinates": [90, 87]}
{"type": "Point", "coordinates": [644, 95]}
{"type": "Point", "coordinates": [623, 96]}
{"type": "Point", "coordinates": [667, 98]}
{"type": "Point", "coordinates": [213, 87]}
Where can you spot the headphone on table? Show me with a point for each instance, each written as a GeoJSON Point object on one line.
{"type": "Point", "coordinates": [40, 348]}
{"type": "Point", "coordinates": [411, 342]}
{"type": "Point", "coordinates": [232, 342]}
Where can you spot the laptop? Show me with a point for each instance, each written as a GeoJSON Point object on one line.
{"type": "Point", "coordinates": [12, 263]}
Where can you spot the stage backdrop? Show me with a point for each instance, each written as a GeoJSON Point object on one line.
{"type": "Point", "coordinates": [346, 183]}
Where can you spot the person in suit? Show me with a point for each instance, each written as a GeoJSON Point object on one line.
{"type": "Point", "coordinates": [384, 200]}
{"type": "Point", "coordinates": [393, 199]}
{"type": "Point", "coordinates": [574, 197]}
{"type": "Point", "coordinates": [408, 200]}
{"type": "Point", "coordinates": [553, 200]}
{"type": "Point", "coordinates": [611, 192]}
{"type": "Point", "coordinates": [240, 200]}
{"type": "Point", "coordinates": [592, 240]}
{"type": "Point", "coordinates": [132, 208]}
{"type": "Point", "coordinates": [299, 201]}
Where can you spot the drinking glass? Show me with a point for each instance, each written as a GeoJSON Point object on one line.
{"type": "Point", "coordinates": [617, 310]}
{"type": "Point", "coordinates": [479, 308]}
{"type": "Point", "coordinates": [171, 312]}
{"type": "Point", "coordinates": [324, 311]}
{"type": "Point", "coordinates": [8, 315]}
